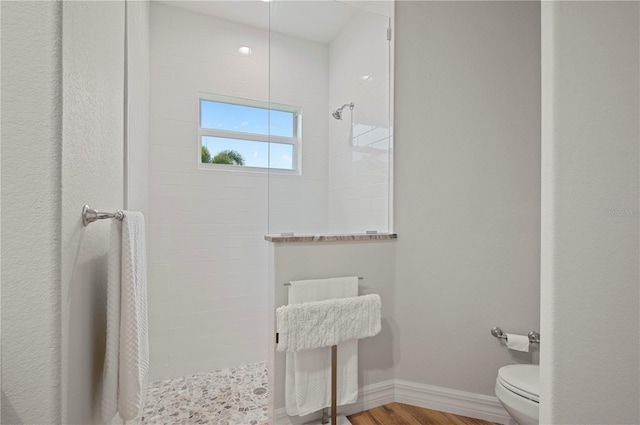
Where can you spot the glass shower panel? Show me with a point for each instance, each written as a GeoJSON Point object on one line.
{"type": "Point", "coordinates": [206, 221]}
{"type": "Point", "coordinates": [332, 60]}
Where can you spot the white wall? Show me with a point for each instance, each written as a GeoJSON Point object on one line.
{"type": "Point", "coordinates": [67, 94]}
{"type": "Point", "coordinates": [590, 301]}
{"type": "Point", "coordinates": [31, 112]}
{"type": "Point", "coordinates": [92, 173]}
{"type": "Point", "coordinates": [137, 87]}
{"type": "Point", "coordinates": [359, 157]}
{"type": "Point", "coordinates": [208, 259]}
{"type": "Point", "coordinates": [467, 187]}
{"type": "Point", "coordinates": [372, 260]}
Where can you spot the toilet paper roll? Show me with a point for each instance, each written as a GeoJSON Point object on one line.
{"type": "Point", "coordinates": [518, 342]}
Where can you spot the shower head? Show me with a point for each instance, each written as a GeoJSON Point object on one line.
{"type": "Point", "coordinates": [337, 114]}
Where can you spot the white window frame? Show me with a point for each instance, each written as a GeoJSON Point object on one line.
{"type": "Point", "coordinates": [295, 141]}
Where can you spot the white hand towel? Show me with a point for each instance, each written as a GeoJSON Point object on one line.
{"type": "Point", "coordinates": [326, 323]}
{"type": "Point", "coordinates": [127, 351]}
{"type": "Point", "coordinates": [308, 373]}
{"type": "Point", "coordinates": [302, 291]}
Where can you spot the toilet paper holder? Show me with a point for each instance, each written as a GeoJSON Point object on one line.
{"type": "Point", "coordinates": [534, 337]}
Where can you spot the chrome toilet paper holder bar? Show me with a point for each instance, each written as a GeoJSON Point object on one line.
{"type": "Point", "coordinates": [534, 337]}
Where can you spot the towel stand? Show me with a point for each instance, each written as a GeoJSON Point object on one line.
{"type": "Point", "coordinates": [334, 385]}
{"type": "Point", "coordinates": [334, 389]}
{"type": "Point", "coordinates": [334, 381]}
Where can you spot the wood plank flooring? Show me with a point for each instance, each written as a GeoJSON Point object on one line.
{"type": "Point", "coordinates": [404, 414]}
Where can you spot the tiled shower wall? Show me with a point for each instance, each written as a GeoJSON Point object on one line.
{"type": "Point", "coordinates": [359, 156]}
{"type": "Point", "coordinates": [300, 76]}
{"type": "Point", "coordinates": [207, 256]}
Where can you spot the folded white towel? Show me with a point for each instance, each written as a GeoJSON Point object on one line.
{"type": "Point", "coordinates": [325, 323]}
{"type": "Point", "coordinates": [127, 350]}
{"type": "Point", "coordinates": [308, 373]}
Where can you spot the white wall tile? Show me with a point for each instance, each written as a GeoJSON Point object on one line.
{"type": "Point", "coordinates": [207, 254]}
{"type": "Point", "coordinates": [359, 154]}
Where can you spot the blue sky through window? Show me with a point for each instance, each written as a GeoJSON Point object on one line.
{"type": "Point", "coordinates": [246, 119]}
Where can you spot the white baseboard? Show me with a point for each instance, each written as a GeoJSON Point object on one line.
{"type": "Point", "coordinates": [462, 403]}
{"type": "Point", "coordinates": [474, 405]}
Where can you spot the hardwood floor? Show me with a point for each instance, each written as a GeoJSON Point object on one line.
{"type": "Point", "coordinates": [404, 414]}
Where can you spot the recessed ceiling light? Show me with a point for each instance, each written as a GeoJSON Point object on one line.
{"type": "Point", "coordinates": [267, 1]}
{"type": "Point", "coordinates": [245, 50]}
{"type": "Point", "coordinates": [366, 77]}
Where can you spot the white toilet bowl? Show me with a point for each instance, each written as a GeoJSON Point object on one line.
{"type": "Point", "coordinates": [518, 389]}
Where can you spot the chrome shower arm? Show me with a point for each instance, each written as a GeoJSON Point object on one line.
{"type": "Point", "coordinates": [337, 114]}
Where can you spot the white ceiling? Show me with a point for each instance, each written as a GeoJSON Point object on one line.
{"type": "Point", "coordinates": [315, 20]}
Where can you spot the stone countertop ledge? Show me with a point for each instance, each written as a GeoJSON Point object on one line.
{"type": "Point", "coordinates": [331, 238]}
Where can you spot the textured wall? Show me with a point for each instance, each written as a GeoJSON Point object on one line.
{"type": "Point", "coordinates": [590, 299]}
{"type": "Point", "coordinates": [31, 133]}
{"type": "Point", "coordinates": [467, 187]}
{"type": "Point", "coordinates": [53, 271]}
{"type": "Point", "coordinates": [92, 173]}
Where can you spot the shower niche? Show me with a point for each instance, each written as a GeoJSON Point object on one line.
{"type": "Point", "coordinates": [333, 61]}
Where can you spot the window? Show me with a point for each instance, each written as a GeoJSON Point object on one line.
{"type": "Point", "coordinates": [249, 133]}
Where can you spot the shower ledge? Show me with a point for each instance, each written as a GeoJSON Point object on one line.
{"type": "Point", "coordinates": [338, 237]}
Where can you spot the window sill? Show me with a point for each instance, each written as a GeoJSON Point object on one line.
{"type": "Point", "coordinates": [232, 169]}
{"type": "Point", "coordinates": [342, 237]}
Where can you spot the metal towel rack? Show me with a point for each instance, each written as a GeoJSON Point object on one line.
{"type": "Point", "coordinates": [534, 337]}
{"type": "Point", "coordinates": [89, 215]}
{"type": "Point", "coordinates": [334, 381]}
{"type": "Point", "coordinates": [289, 283]}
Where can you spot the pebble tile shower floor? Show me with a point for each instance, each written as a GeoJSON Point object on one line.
{"type": "Point", "coordinates": [235, 396]}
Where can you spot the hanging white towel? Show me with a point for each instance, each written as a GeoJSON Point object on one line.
{"type": "Point", "coordinates": [109, 404]}
{"type": "Point", "coordinates": [127, 347]}
{"type": "Point", "coordinates": [326, 323]}
{"type": "Point", "coordinates": [308, 373]}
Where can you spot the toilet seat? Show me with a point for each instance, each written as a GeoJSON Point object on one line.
{"type": "Point", "coordinates": [523, 380]}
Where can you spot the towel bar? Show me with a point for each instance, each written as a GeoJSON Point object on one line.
{"type": "Point", "coordinates": [89, 215]}
{"type": "Point", "coordinates": [289, 283]}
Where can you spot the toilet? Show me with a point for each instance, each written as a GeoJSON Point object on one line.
{"type": "Point", "coordinates": [518, 389]}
